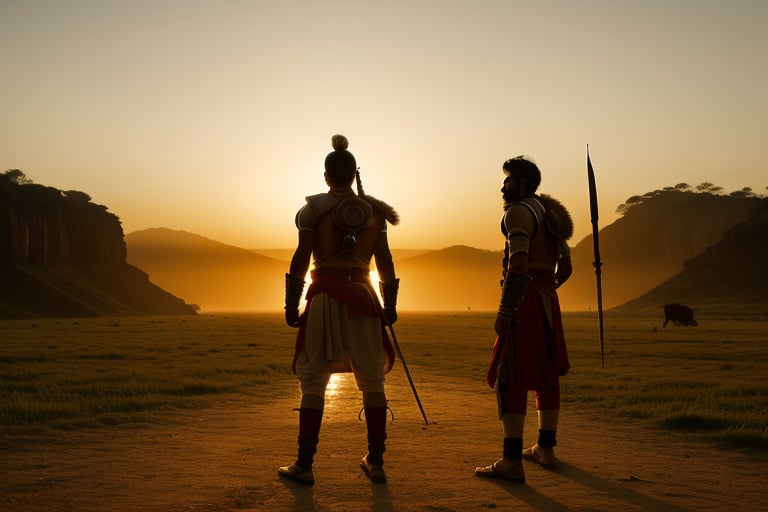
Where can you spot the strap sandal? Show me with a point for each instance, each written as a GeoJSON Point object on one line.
{"type": "Point", "coordinates": [503, 470]}
{"type": "Point", "coordinates": [297, 473]}
{"type": "Point", "coordinates": [545, 457]}
{"type": "Point", "coordinates": [373, 471]}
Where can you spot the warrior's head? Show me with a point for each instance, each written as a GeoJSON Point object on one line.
{"type": "Point", "coordinates": [523, 179]}
{"type": "Point", "coordinates": [340, 164]}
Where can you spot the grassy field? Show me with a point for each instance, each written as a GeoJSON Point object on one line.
{"type": "Point", "coordinates": [83, 373]}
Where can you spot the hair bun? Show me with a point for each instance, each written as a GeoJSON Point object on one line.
{"type": "Point", "coordinates": [339, 142]}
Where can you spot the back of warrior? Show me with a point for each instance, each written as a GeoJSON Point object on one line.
{"type": "Point", "coordinates": [328, 250]}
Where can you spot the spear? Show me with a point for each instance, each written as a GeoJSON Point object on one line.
{"type": "Point", "coordinates": [597, 263]}
{"type": "Point", "coordinates": [407, 373]}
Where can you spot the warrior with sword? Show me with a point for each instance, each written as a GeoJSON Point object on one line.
{"type": "Point", "coordinates": [530, 351]}
{"type": "Point", "coordinates": [342, 327]}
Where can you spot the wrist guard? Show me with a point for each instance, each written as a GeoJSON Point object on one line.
{"type": "Point", "coordinates": [389, 296]}
{"type": "Point", "coordinates": [512, 293]}
{"type": "Point", "coordinates": [294, 287]}
{"type": "Point", "coordinates": [389, 292]}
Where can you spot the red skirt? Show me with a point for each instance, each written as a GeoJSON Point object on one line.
{"type": "Point", "coordinates": [538, 355]}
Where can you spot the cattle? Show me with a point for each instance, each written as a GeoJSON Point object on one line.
{"type": "Point", "coordinates": [678, 314]}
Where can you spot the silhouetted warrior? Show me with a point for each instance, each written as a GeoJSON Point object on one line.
{"type": "Point", "coordinates": [342, 326]}
{"type": "Point", "coordinates": [529, 352]}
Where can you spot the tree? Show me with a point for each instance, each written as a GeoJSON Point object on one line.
{"type": "Point", "coordinates": [76, 195]}
{"type": "Point", "coordinates": [745, 192]}
{"type": "Point", "coordinates": [17, 176]}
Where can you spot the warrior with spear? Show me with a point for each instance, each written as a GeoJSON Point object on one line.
{"type": "Point", "coordinates": [530, 351]}
{"type": "Point", "coordinates": [342, 327]}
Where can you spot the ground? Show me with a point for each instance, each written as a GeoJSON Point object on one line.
{"type": "Point", "coordinates": [225, 458]}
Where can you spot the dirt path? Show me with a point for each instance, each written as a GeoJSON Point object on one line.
{"type": "Point", "coordinates": [224, 458]}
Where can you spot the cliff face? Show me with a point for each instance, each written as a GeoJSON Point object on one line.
{"type": "Point", "coordinates": [62, 255]}
{"type": "Point", "coordinates": [650, 244]}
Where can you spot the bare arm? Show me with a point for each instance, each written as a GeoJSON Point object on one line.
{"type": "Point", "coordinates": [384, 264]}
{"type": "Point", "coordinates": [302, 255]}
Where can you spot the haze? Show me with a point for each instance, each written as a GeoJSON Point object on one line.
{"type": "Point", "coordinates": [215, 117]}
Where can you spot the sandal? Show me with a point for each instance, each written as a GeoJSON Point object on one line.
{"type": "Point", "coordinates": [503, 470]}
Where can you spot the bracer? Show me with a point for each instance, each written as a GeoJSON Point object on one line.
{"type": "Point", "coordinates": [512, 293]}
{"type": "Point", "coordinates": [294, 287]}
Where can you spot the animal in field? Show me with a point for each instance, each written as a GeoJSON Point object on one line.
{"type": "Point", "coordinates": [678, 314]}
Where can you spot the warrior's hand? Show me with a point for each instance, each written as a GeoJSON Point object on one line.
{"type": "Point", "coordinates": [391, 313]}
{"type": "Point", "coordinates": [292, 317]}
{"type": "Point", "coordinates": [389, 294]}
{"type": "Point", "coordinates": [503, 324]}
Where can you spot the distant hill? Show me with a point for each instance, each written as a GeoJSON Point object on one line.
{"type": "Point", "coordinates": [457, 278]}
{"type": "Point", "coordinates": [650, 243]}
{"type": "Point", "coordinates": [63, 256]}
{"type": "Point", "coordinates": [644, 248]}
{"type": "Point", "coordinates": [213, 275]}
{"type": "Point", "coordinates": [729, 277]}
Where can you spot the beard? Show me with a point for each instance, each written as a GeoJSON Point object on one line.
{"type": "Point", "coordinates": [512, 196]}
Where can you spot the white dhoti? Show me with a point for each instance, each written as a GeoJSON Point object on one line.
{"type": "Point", "coordinates": [337, 342]}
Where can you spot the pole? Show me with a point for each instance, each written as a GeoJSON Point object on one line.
{"type": "Point", "coordinates": [407, 373]}
{"type": "Point", "coordinates": [598, 264]}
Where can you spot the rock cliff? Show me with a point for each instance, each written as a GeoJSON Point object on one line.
{"type": "Point", "coordinates": [62, 255]}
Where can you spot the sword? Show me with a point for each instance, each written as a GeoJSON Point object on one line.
{"type": "Point", "coordinates": [597, 263]}
{"type": "Point", "coordinates": [407, 373]}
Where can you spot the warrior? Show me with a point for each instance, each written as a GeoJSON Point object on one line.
{"type": "Point", "coordinates": [342, 327]}
{"type": "Point", "coordinates": [529, 352]}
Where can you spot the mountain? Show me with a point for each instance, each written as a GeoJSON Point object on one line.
{"type": "Point", "coordinates": [650, 243]}
{"type": "Point", "coordinates": [452, 279]}
{"type": "Point", "coordinates": [730, 277]}
{"type": "Point", "coordinates": [63, 256]}
{"type": "Point", "coordinates": [216, 276]}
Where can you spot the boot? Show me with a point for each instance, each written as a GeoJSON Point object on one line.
{"type": "Point", "coordinates": [309, 430]}
{"type": "Point", "coordinates": [372, 463]}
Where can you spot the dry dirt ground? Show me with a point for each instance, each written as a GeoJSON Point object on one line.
{"type": "Point", "coordinates": [225, 457]}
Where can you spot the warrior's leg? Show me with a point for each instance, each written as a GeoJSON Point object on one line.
{"type": "Point", "coordinates": [310, 419]}
{"type": "Point", "coordinates": [375, 407]}
{"type": "Point", "coordinates": [509, 467]}
{"type": "Point", "coordinates": [548, 411]}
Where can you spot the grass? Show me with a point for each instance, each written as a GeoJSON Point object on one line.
{"type": "Point", "coordinates": [707, 381]}
{"type": "Point", "coordinates": [90, 372]}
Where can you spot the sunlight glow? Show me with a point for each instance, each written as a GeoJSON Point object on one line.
{"type": "Point", "coordinates": [375, 282]}
{"type": "Point", "coordinates": [334, 383]}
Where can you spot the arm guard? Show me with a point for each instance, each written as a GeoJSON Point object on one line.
{"type": "Point", "coordinates": [293, 290]}
{"type": "Point", "coordinates": [512, 293]}
{"type": "Point", "coordinates": [389, 296]}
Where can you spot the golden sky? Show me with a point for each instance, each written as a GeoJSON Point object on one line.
{"type": "Point", "coordinates": [214, 117]}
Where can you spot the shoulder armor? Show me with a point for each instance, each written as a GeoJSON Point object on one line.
{"type": "Point", "coordinates": [536, 210]}
{"type": "Point", "coordinates": [321, 203]}
{"type": "Point", "coordinates": [389, 213]}
{"type": "Point", "coordinates": [558, 222]}
{"type": "Point", "coordinates": [306, 220]}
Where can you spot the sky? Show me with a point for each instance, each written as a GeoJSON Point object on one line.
{"type": "Point", "coordinates": [214, 117]}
